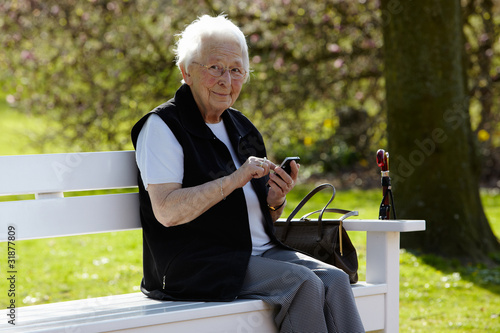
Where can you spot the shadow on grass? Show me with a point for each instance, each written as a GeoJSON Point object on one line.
{"type": "Point", "coordinates": [486, 276]}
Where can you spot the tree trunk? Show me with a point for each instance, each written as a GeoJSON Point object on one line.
{"type": "Point", "coordinates": [434, 167]}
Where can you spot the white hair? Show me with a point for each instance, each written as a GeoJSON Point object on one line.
{"type": "Point", "coordinates": [190, 42]}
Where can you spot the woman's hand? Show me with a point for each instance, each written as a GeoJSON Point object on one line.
{"type": "Point", "coordinates": [280, 182]}
{"type": "Point", "coordinates": [254, 167]}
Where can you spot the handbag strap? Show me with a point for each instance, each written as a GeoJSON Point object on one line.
{"type": "Point", "coordinates": [303, 202]}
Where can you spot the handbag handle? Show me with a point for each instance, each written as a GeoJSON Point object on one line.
{"type": "Point", "coordinates": [302, 203]}
{"type": "Point", "coordinates": [347, 213]}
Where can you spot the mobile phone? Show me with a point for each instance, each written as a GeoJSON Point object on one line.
{"type": "Point", "coordinates": [285, 165]}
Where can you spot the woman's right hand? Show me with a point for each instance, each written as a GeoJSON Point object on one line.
{"type": "Point", "coordinates": [254, 167]}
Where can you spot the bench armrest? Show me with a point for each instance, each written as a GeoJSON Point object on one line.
{"type": "Point", "coordinates": [379, 225]}
{"type": "Point", "coordinates": [384, 225]}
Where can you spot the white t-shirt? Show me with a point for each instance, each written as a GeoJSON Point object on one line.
{"type": "Point", "coordinates": [160, 159]}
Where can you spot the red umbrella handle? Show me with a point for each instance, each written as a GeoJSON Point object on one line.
{"type": "Point", "coordinates": [383, 163]}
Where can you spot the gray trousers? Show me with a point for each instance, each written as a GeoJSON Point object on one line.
{"type": "Point", "coordinates": [309, 295]}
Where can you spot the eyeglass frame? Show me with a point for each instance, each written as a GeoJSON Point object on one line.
{"type": "Point", "coordinates": [224, 69]}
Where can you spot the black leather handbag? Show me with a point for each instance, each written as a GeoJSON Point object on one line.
{"type": "Point", "coordinates": [323, 239]}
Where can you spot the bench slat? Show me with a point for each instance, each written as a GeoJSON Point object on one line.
{"type": "Point", "coordinates": [123, 312]}
{"type": "Point", "coordinates": [70, 216]}
{"type": "Point", "coordinates": [28, 174]}
{"type": "Point", "coordinates": [131, 311]}
{"type": "Point", "coordinates": [362, 288]}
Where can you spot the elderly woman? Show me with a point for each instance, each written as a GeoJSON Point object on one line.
{"type": "Point", "coordinates": [209, 197]}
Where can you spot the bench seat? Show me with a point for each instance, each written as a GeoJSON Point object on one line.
{"type": "Point", "coordinates": [137, 313]}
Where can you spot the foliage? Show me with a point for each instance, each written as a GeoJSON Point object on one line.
{"type": "Point", "coordinates": [90, 67]}
{"type": "Point", "coordinates": [317, 71]}
{"type": "Point", "coordinates": [482, 31]}
{"type": "Point", "coordinates": [94, 67]}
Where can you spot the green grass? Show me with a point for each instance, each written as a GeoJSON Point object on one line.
{"type": "Point", "coordinates": [436, 295]}
{"type": "Point", "coordinates": [20, 132]}
{"type": "Point", "coordinates": [16, 130]}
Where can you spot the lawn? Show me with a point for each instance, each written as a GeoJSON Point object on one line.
{"type": "Point", "coordinates": [16, 131]}
{"type": "Point", "coordinates": [437, 295]}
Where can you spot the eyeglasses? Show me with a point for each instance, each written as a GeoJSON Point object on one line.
{"type": "Point", "coordinates": [237, 73]}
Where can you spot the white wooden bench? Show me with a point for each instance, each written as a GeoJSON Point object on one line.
{"type": "Point", "coordinates": [51, 214]}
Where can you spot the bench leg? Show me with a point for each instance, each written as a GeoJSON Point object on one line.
{"type": "Point", "coordinates": [382, 266]}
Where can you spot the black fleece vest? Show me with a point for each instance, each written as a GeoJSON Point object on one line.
{"type": "Point", "coordinates": [207, 258]}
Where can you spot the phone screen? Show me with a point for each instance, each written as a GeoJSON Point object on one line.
{"type": "Point", "coordinates": [285, 165]}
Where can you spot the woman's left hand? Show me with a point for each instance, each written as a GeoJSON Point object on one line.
{"type": "Point", "coordinates": [281, 183]}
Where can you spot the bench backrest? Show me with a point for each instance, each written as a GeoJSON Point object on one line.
{"type": "Point", "coordinates": [48, 176]}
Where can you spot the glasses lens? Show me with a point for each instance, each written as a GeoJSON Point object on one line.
{"type": "Point", "coordinates": [237, 73]}
{"type": "Point", "coordinates": [215, 70]}
{"type": "Point", "coordinates": [218, 70]}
